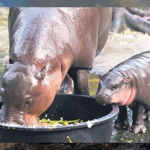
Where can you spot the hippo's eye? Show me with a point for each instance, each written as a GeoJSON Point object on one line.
{"type": "Point", "coordinates": [114, 87]}
{"type": "Point", "coordinates": [11, 61]}
{"type": "Point", "coordinates": [28, 102]}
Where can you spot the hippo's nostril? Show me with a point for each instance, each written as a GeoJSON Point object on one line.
{"type": "Point", "coordinates": [105, 96]}
{"type": "Point", "coordinates": [98, 98]}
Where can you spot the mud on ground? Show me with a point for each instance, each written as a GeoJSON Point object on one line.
{"type": "Point", "coordinates": [76, 146]}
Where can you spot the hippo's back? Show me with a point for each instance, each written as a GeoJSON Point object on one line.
{"type": "Point", "coordinates": [136, 62]}
{"type": "Point", "coordinates": [138, 68]}
{"type": "Point", "coordinates": [56, 32]}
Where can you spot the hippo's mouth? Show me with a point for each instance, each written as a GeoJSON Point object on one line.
{"type": "Point", "coordinates": [16, 117]}
{"type": "Point", "coordinates": [102, 101]}
{"type": "Point", "coordinates": [11, 118]}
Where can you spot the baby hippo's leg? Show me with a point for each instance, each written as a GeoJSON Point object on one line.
{"type": "Point", "coordinates": [122, 120]}
{"type": "Point", "coordinates": [138, 124]}
{"type": "Point", "coordinates": [147, 114]}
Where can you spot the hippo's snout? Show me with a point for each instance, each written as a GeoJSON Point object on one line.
{"type": "Point", "coordinates": [101, 99]}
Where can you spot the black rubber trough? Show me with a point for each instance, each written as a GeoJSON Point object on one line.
{"type": "Point", "coordinates": [95, 128]}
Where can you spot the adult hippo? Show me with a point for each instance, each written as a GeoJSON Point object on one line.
{"type": "Point", "coordinates": [45, 45]}
{"type": "Point", "coordinates": [128, 83]}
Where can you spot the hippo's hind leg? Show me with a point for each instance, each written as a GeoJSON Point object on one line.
{"type": "Point", "coordinates": [67, 85]}
{"type": "Point", "coordinates": [81, 80]}
{"type": "Point", "coordinates": [122, 120]}
{"type": "Point", "coordinates": [138, 124]}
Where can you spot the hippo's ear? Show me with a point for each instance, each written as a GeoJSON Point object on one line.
{"type": "Point", "coordinates": [102, 73]}
{"type": "Point", "coordinates": [99, 76]}
{"type": "Point", "coordinates": [6, 61]}
{"type": "Point", "coordinates": [40, 74]}
{"type": "Point", "coordinates": [127, 80]}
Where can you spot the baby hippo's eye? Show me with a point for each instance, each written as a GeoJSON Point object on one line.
{"type": "Point", "coordinates": [114, 87]}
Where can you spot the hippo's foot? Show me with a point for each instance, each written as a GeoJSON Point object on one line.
{"type": "Point", "coordinates": [123, 124]}
{"type": "Point", "coordinates": [138, 128]}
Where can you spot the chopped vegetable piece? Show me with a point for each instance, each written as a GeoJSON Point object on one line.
{"type": "Point", "coordinates": [57, 122]}
{"type": "Point", "coordinates": [65, 122]}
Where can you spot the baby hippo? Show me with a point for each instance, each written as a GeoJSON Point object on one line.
{"type": "Point", "coordinates": [128, 84]}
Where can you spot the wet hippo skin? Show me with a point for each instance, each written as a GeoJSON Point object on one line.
{"type": "Point", "coordinates": [128, 83]}
{"type": "Point", "coordinates": [45, 45]}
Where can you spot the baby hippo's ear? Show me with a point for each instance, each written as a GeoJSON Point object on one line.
{"type": "Point", "coordinates": [102, 73]}
{"type": "Point", "coordinates": [99, 76]}
{"type": "Point", "coordinates": [6, 60]}
{"type": "Point", "coordinates": [127, 80]}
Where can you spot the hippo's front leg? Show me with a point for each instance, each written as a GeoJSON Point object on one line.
{"type": "Point", "coordinates": [122, 120]}
{"type": "Point", "coordinates": [138, 124]}
{"type": "Point", "coordinates": [81, 80]}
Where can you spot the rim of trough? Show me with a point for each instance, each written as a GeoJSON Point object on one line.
{"type": "Point", "coordinates": [111, 115]}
